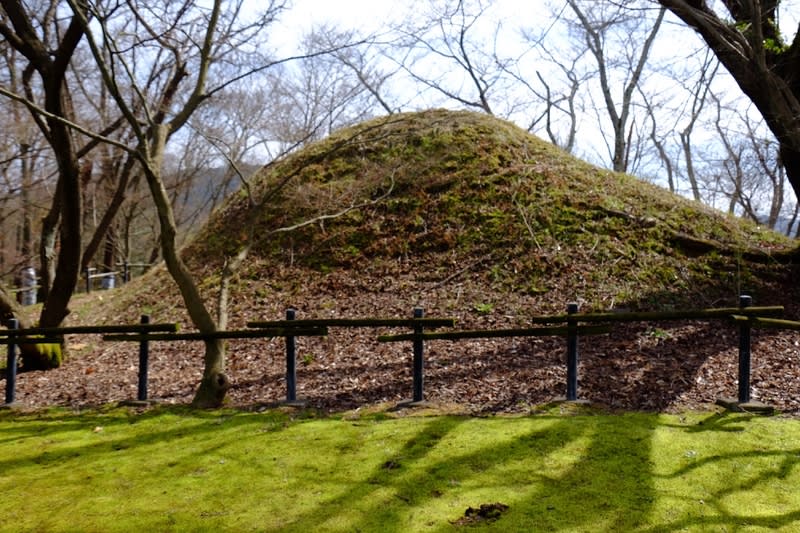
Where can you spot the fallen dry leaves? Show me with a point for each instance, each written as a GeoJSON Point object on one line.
{"type": "Point", "coordinates": [639, 366]}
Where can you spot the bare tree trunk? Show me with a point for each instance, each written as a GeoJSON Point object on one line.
{"type": "Point", "coordinates": [215, 383]}
{"type": "Point", "coordinates": [791, 162]}
{"type": "Point", "coordinates": [687, 157]}
{"type": "Point", "coordinates": [52, 63]}
{"type": "Point", "coordinates": [663, 155]}
{"type": "Point", "coordinates": [790, 225]}
{"type": "Point", "coordinates": [55, 308]}
{"type": "Point", "coordinates": [47, 245]}
{"type": "Point", "coordinates": [109, 250]}
{"type": "Point", "coordinates": [595, 41]}
{"type": "Point", "coordinates": [27, 180]}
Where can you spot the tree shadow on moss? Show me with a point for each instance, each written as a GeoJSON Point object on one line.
{"type": "Point", "coordinates": [571, 499]}
{"type": "Point", "coordinates": [748, 475]}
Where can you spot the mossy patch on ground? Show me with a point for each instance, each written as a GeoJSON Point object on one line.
{"type": "Point", "coordinates": [173, 469]}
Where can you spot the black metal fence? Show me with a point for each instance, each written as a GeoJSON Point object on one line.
{"type": "Point", "coordinates": [573, 326]}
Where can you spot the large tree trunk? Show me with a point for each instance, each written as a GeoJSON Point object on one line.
{"type": "Point", "coordinates": [215, 383]}
{"type": "Point", "coordinates": [67, 202]}
{"type": "Point", "coordinates": [790, 158]}
{"type": "Point", "coordinates": [55, 308]}
{"type": "Point", "coordinates": [52, 63]}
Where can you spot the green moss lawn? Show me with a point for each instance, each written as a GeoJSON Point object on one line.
{"type": "Point", "coordinates": [174, 469]}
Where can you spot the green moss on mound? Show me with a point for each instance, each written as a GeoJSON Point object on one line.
{"type": "Point", "coordinates": [460, 187]}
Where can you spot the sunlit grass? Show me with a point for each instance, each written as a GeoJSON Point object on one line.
{"type": "Point", "coordinates": [173, 469]}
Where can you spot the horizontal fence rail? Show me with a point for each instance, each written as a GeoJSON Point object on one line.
{"type": "Point", "coordinates": [127, 266]}
{"type": "Point", "coordinates": [233, 334]}
{"type": "Point", "coordinates": [495, 333]}
{"type": "Point", "coordinates": [648, 316]}
{"type": "Point", "coordinates": [38, 339]}
{"type": "Point", "coordinates": [53, 335]}
{"type": "Point", "coordinates": [357, 323]}
{"type": "Point", "coordinates": [70, 330]}
{"type": "Point", "coordinates": [772, 323]}
{"type": "Point", "coordinates": [108, 278]}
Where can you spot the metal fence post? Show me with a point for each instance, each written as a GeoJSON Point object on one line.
{"type": "Point", "coordinates": [88, 280]}
{"type": "Point", "coordinates": [11, 364]}
{"type": "Point", "coordinates": [419, 355]}
{"type": "Point", "coordinates": [291, 361]}
{"type": "Point", "coordinates": [144, 355]}
{"type": "Point", "coordinates": [744, 353]}
{"type": "Point", "coordinates": [572, 353]}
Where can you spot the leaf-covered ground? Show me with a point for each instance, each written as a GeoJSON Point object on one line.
{"type": "Point", "coordinates": [639, 366]}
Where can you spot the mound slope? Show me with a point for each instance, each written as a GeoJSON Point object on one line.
{"type": "Point", "coordinates": [469, 217]}
{"type": "Point", "coordinates": [453, 189]}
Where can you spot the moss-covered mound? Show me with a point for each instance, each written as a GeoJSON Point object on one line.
{"type": "Point", "coordinates": [458, 190]}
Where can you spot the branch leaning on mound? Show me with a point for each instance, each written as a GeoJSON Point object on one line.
{"type": "Point", "coordinates": [700, 245]}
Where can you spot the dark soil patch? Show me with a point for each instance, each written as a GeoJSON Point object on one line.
{"type": "Point", "coordinates": [487, 512]}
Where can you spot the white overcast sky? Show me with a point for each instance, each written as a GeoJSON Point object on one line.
{"type": "Point", "coordinates": [363, 14]}
{"type": "Point", "coordinates": [369, 15]}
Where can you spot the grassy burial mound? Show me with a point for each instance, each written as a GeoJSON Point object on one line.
{"type": "Point", "coordinates": [459, 195]}
{"type": "Point", "coordinates": [471, 218]}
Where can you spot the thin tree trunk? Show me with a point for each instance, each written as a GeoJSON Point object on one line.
{"type": "Point", "coordinates": [47, 246]}
{"type": "Point", "coordinates": [215, 383]}
{"type": "Point", "coordinates": [108, 217]}
{"type": "Point", "coordinates": [690, 173]}
{"type": "Point", "coordinates": [27, 206]}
